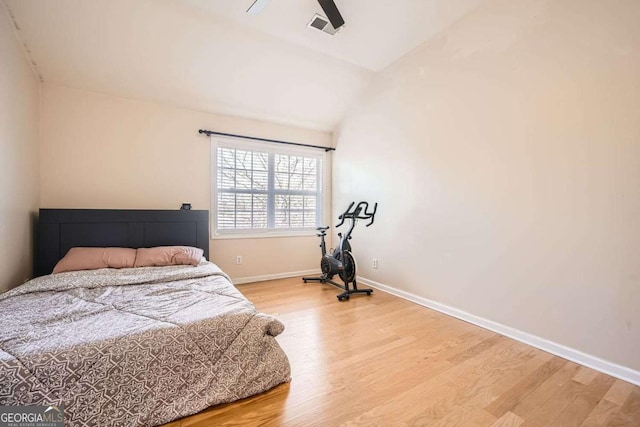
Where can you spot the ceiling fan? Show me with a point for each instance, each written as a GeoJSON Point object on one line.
{"type": "Point", "coordinates": [257, 7]}
{"type": "Point", "coordinates": [328, 6]}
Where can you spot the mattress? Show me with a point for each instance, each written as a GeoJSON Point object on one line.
{"type": "Point", "coordinates": [135, 347]}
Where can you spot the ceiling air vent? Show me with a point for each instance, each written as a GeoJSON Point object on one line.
{"type": "Point", "coordinates": [321, 23]}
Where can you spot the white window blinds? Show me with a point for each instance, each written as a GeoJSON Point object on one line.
{"type": "Point", "coordinates": [261, 188]}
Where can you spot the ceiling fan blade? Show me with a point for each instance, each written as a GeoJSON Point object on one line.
{"type": "Point", "coordinates": [332, 12]}
{"type": "Point", "coordinates": [257, 7]}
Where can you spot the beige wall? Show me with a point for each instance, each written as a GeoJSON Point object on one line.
{"type": "Point", "coordinates": [19, 193]}
{"type": "Point", "coordinates": [505, 155]}
{"type": "Point", "coordinates": [101, 151]}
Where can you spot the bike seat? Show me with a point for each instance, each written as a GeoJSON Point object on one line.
{"type": "Point", "coordinates": [322, 228]}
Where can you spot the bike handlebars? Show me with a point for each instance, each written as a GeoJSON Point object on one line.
{"type": "Point", "coordinates": [361, 211]}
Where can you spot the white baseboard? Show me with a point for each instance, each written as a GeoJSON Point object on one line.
{"type": "Point", "coordinates": [242, 280]}
{"type": "Point", "coordinates": [622, 372]}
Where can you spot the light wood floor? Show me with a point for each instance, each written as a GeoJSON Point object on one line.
{"type": "Point", "coordinates": [383, 361]}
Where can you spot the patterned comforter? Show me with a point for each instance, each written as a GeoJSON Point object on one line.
{"type": "Point", "coordinates": [135, 347]}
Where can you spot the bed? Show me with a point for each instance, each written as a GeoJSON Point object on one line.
{"type": "Point", "coordinates": [134, 346]}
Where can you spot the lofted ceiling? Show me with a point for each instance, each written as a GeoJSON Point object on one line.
{"type": "Point", "coordinates": [210, 55]}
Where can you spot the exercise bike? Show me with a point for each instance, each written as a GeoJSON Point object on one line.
{"type": "Point", "coordinates": [341, 262]}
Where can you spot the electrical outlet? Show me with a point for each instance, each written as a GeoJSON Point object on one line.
{"type": "Point", "coordinates": [239, 259]}
{"type": "Point", "coordinates": [374, 263]}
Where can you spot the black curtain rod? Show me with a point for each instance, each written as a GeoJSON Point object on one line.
{"type": "Point", "coordinates": [210, 132]}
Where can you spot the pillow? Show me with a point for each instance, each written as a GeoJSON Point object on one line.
{"type": "Point", "coordinates": [94, 258]}
{"type": "Point", "coordinates": [168, 255]}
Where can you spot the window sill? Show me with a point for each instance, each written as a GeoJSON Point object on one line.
{"type": "Point", "coordinates": [266, 235]}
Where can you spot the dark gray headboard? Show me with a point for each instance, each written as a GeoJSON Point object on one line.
{"type": "Point", "coordinates": [62, 229]}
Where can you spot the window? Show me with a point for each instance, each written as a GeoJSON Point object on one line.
{"type": "Point", "coordinates": [265, 189]}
